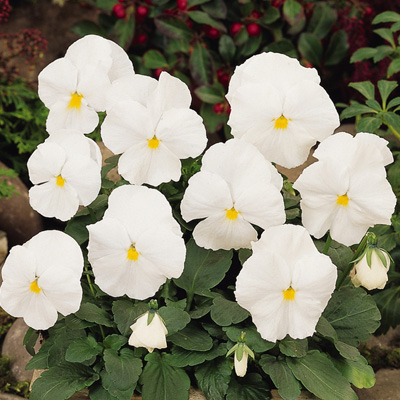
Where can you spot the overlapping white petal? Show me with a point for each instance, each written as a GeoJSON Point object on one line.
{"type": "Point", "coordinates": [138, 245]}
{"type": "Point", "coordinates": [65, 171]}
{"type": "Point", "coordinates": [235, 188]}
{"type": "Point", "coordinates": [153, 132]}
{"type": "Point", "coordinates": [286, 283]}
{"type": "Point", "coordinates": [76, 86]}
{"type": "Point", "coordinates": [41, 278]}
{"type": "Point", "coordinates": [346, 191]}
{"type": "Point", "coordinates": [279, 106]}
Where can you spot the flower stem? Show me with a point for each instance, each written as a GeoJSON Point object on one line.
{"type": "Point", "coordinates": [397, 134]}
{"type": "Point", "coordinates": [327, 244]}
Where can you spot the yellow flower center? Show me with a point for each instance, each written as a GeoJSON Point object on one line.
{"type": "Point", "coordinates": [232, 214]}
{"type": "Point", "coordinates": [289, 294]}
{"type": "Point", "coordinates": [281, 122]}
{"type": "Point", "coordinates": [60, 181]}
{"type": "Point", "coordinates": [132, 254]}
{"type": "Point", "coordinates": [35, 287]}
{"type": "Point", "coordinates": [76, 100]}
{"type": "Point", "coordinates": [342, 200]}
{"type": "Point", "coordinates": [154, 142]}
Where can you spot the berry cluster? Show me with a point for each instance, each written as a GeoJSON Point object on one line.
{"type": "Point", "coordinates": [5, 10]}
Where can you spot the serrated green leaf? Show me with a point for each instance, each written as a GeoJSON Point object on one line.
{"type": "Point", "coordinates": [251, 387]}
{"type": "Point", "coordinates": [368, 124]}
{"type": "Point", "coordinates": [92, 313]}
{"type": "Point", "coordinates": [175, 319]}
{"type": "Point", "coordinates": [201, 65]}
{"type": "Point", "coordinates": [386, 237]}
{"type": "Point", "coordinates": [125, 313]}
{"type": "Point", "coordinates": [366, 88]}
{"type": "Point", "coordinates": [62, 381]}
{"type": "Point", "coordinates": [393, 103]}
{"type": "Point", "coordinates": [356, 109]}
{"type": "Point", "coordinates": [209, 94]}
{"type": "Point", "coordinates": [83, 349]}
{"type": "Point", "coordinates": [382, 52]}
{"type": "Point", "coordinates": [253, 338]}
{"type": "Point", "coordinates": [154, 59]}
{"type": "Point", "coordinates": [318, 375]}
{"type": "Point", "coordinates": [388, 302]}
{"type": "Point", "coordinates": [227, 48]}
{"type": "Point", "coordinates": [293, 347]}
{"type": "Point", "coordinates": [225, 312]}
{"type": "Point", "coordinates": [353, 314]}
{"type": "Point", "coordinates": [310, 48]}
{"type": "Point", "coordinates": [282, 376]}
{"type": "Point", "coordinates": [322, 20]}
{"type": "Point", "coordinates": [213, 378]}
{"type": "Point", "coordinates": [363, 54]}
{"type": "Point", "coordinates": [183, 358]}
{"type": "Point", "coordinates": [73, 323]}
{"type": "Point", "coordinates": [385, 34]}
{"type": "Point", "coordinates": [392, 119]}
{"type": "Point", "coordinates": [338, 48]}
{"type": "Point", "coordinates": [163, 381]}
{"type": "Point", "coordinates": [98, 392]}
{"type": "Point", "coordinates": [193, 337]}
{"type": "Point", "coordinates": [114, 342]}
{"type": "Point", "coordinates": [76, 228]}
{"type": "Point", "coordinates": [386, 16]}
{"type": "Point", "coordinates": [204, 269]}
{"type": "Point", "coordinates": [373, 104]}
{"type": "Point", "coordinates": [394, 67]}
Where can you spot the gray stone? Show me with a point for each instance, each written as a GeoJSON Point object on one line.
{"type": "Point", "coordinates": [387, 386]}
{"type": "Point", "coordinates": [13, 348]}
{"type": "Point", "coordinates": [7, 396]}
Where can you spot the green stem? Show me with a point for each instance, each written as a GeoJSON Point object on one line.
{"type": "Point", "coordinates": [327, 244]}
{"type": "Point", "coordinates": [397, 134]}
{"type": "Point", "coordinates": [189, 301]}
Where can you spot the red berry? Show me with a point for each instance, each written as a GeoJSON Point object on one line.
{"type": "Point", "coordinates": [122, 1]}
{"type": "Point", "coordinates": [224, 79]}
{"type": "Point", "coordinates": [142, 38]}
{"type": "Point", "coordinates": [181, 4]}
{"type": "Point", "coordinates": [235, 28]}
{"type": "Point", "coordinates": [218, 108]}
{"type": "Point", "coordinates": [142, 11]}
{"type": "Point", "coordinates": [157, 72]}
{"type": "Point", "coordinates": [119, 10]}
{"type": "Point", "coordinates": [212, 33]}
{"type": "Point", "coordinates": [253, 29]}
{"type": "Point", "coordinates": [255, 14]}
{"type": "Point", "coordinates": [189, 23]}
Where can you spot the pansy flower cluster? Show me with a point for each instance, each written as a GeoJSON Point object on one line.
{"type": "Point", "coordinates": [152, 242]}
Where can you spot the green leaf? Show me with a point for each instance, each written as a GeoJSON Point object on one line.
{"type": "Point", "coordinates": [114, 342]}
{"type": "Point", "coordinates": [338, 48]}
{"type": "Point", "coordinates": [293, 347]}
{"type": "Point", "coordinates": [368, 124]}
{"type": "Point", "coordinates": [393, 103]}
{"type": "Point", "coordinates": [310, 48]}
{"type": "Point", "coordinates": [373, 104]}
{"type": "Point", "coordinates": [227, 48]}
{"type": "Point", "coordinates": [154, 59]}
{"type": "Point", "coordinates": [163, 381]}
{"type": "Point", "coordinates": [322, 20]}
{"type": "Point", "coordinates": [212, 121]}
{"type": "Point", "coordinates": [172, 27]}
{"type": "Point", "coordinates": [201, 65]}
{"type": "Point", "coordinates": [271, 15]}
{"type": "Point", "coordinates": [386, 16]}
{"type": "Point", "coordinates": [209, 94]}
{"type": "Point", "coordinates": [124, 31]}
{"type": "Point", "coordinates": [225, 312]}
{"type": "Point", "coordinates": [193, 337]}
{"type": "Point", "coordinates": [98, 392]}
{"type": "Point", "coordinates": [40, 359]}
{"type": "Point", "coordinates": [83, 349]}
{"type": "Point", "coordinates": [250, 46]}
{"type": "Point", "coordinates": [244, 254]}
{"type": "Point", "coordinates": [282, 376]}
{"type": "Point", "coordinates": [363, 54]}
{"type": "Point", "coordinates": [382, 52]}
{"type": "Point", "coordinates": [204, 269]}
{"type": "Point", "coordinates": [92, 313]}
{"type": "Point", "coordinates": [318, 375]}
{"type": "Point", "coordinates": [251, 387]}
{"type": "Point", "coordinates": [86, 27]}
{"type": "Point", "coordinates": [76, 228]}
{"type": "Point", "coordinates": [216, 8]}
{"type": "Point", "coordinates": [386, 88]}
{"type": "Point", "coordinates": [29, 341]}
{"type": "Point", "coordinates": [356, 109]}
{"type": "Point", "coordinates": [388, 301]}
{"type": "Point", "coordinates": [213, 378]}
{"type": "Point", "coordinates": [357, 372]}
{"type": "Point", "coordinates": [385, 34]}
{"type": "Point", "coordinates": [203, 18]}
{"type": "Point", "coordinates": [125, 313]}
{"type": "Point", "coordinates": [62, 381]}
{"type": "Point", "coordinates": [124, 368]}
{"type": "Point", "coordinates": [283, 46]}
{"type": "Point", "coordinates": [353, 314]}
{"type": "Point", "coordinates": [253, 338]}
{"type": "Point", "coordinates": [366, 88]}
{"type": "Point", "coordinates": [394, 67]}
{"type": "Point", "coordinates": [386, 237]}
{"type": "Point", "coordinates": [183, 358]}
{"type": "Point", "coordinates": [174, 319]}
{"type": "Point", "coordinates": [292, 11]}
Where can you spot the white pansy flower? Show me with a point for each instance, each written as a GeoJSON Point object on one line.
{"type": "Point", "coordinates": [75, 87]}
{"type": "Point", "coordinates": [41, 278]}
{"type": "Point", "coordinates": [138, 245]}
{"type": "Point", "coordinates": [149, 335]}
{"type": "Point", "coordinates": [65, 171]}
{"type": "Point", "coordinates": [235, 188]}
{"type": "Point", "coordinates": [346, 191]}
{"type": "Point", "coordinates": [154, 132]}
{"type": "Point", "coordinates": [286, 283]}
{"type": "Point", "coordinates": [279, 106]}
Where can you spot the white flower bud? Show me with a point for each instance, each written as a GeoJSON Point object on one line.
{"type": "Point", "coordinates": [241, 366]}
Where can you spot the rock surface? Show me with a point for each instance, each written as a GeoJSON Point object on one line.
{"type": "Point", "coordinates": [387, 386]}
{"type": "Point", "coordinates": [7, 396]}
